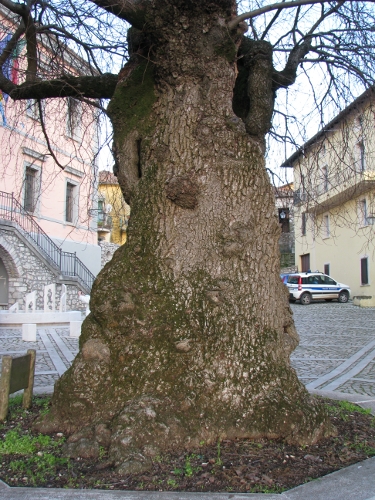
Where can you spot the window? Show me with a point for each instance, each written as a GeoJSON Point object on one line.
{"type": "Point", "coordinates": [327, 269]}
{"type": "Point", "coordinates": [303, 224]}
{"type": "Point", "coordinates": [32, 109]}
{"type": "Point", "coordinates": [326, 230]}
{"type": "Point", "coordinates": [322, 151]}
{"type": "Point", "coordinates": [362, 213]}
{"type": "Point", "coordinates": [361, 155]}
{"type": "Point", "coordinates": [74, 119]}
{"type": "Point", "coordinates": [326, 280]}
{"type": "Point", "coordinates": [284, 220]}
{"type": "Point", "coordinates": [325, 182]}
{"type": "Point", "coordinates": [364, 271]}
{"type": "Point", "coordinates": [69, 201]}
{"type": "Point", "coordinates": [29, 201]}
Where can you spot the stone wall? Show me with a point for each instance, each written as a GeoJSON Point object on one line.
{"type": "Point", "coordinates": [28, 271]}
{"type": "Point", "coordinates": [108, 249]}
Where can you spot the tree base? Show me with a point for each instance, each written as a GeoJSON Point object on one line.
{"type": "Point", "coordinates": [147, 427]}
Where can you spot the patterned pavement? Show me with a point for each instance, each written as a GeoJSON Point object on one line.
{"type": "Point", "coordinates": [337, 347]}
{"type": "Point", "coordinates": [336, 351]}
{"type": "Point", "coordinates": [55, 351]}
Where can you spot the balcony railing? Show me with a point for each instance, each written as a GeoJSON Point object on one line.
{"type": "Point", "coordinates": [333, 185]}
{"type": "Point", "coordinates": [67, 263]}
{"type": "Point", "coordinates": [104, 221]}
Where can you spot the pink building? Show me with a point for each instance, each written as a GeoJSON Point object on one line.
{"type": "Point", "coordinates": [48, 188]}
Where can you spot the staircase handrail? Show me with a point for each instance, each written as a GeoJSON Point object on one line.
{"type": "Point", "coordinates": [66, 262]}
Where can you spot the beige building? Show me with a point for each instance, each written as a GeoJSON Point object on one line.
{"type": "Point", "coordinates": [113, 212]}
{"type": "Point", "coordinates": [334, 200]}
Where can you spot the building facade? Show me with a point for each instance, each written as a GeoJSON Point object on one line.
{"type": "Point", "coordinates": [113, 212]}
{"type": "Point", "coordinates": [48, 179]}
{"type": "Point", "coordinates": [334, 200]}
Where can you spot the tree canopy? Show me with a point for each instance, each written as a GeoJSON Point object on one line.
{"type": "Point", "coordinates": [328, 44]}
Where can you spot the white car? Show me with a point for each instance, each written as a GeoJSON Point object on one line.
{"type": "Point", "coordinates": [306, 287]}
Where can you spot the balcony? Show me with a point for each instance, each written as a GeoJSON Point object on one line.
{"type": "Point", "coordinates": [336, 189]}
{"type": "Point", "coordinates": [104, 222]}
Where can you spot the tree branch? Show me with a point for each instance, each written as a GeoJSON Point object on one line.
{"type": "Point", "coordinates": [268, 8]}
{"type": "Point", "coordinates": [95, 87]}
{"type": "Point", "coordinates": [16, 8]}
{"type": "Point", "coordinates": [288, 75]}
{"type": "Point", "coordinates": [132, 11]}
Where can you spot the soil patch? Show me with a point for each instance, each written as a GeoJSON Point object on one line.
{"type": "Point", "coordinates": [28, 459]}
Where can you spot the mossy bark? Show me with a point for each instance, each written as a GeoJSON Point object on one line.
{"type": "Point", "coordinates": [190, 330]}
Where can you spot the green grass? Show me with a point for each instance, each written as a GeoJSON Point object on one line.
{"type": "Point", "coordinates": [342, 408]}
{"type": "Point", "coordinates": [16, 444]}
{"type": "Point", "coordinates": [364, 447]}
{"type": "Point", "coordinates": [38, 454]}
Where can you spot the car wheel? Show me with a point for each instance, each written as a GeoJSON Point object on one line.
{"type": "Point", "coordinates": [343, 297]}
{"type": "Point", "coordinates": [305, 299]}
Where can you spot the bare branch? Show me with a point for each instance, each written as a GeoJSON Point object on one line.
{"type": "Point", "coordinates": [269, 8]}
{"type": "Point", "coordinates": [16, 8]}
{"type": "Point", "coordinates": [131, 10]}
{"type": "Point", "coordinates": [46, 137]}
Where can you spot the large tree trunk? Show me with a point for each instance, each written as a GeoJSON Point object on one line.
{"type": "Point", "coordinates": [190, 330]}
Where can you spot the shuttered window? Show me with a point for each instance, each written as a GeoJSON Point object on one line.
{"type": "Point", "coordinates": [364, 271]}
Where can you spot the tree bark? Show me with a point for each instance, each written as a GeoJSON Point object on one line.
{"type": "Point", "coordinates": [190, 330]}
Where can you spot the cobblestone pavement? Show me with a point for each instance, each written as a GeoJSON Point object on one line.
{"type": "Point", "coordinates": [55, 351]}
{"type": "Point", "coordinates": [336, 351]}
{"type": "Point", "coordinates": [337, 347]}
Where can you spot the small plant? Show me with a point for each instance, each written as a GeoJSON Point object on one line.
{"type": "Point", "coordinates": [15, 401]}
{"type": "Point", "coordinates": [44, 403]}
{"type": "Point", "coordinates": [102, 452]}
{"type": "Point", "coordinates": [16, 444]}
{"type": "Point", "coordinates": [364, 447]}
{"type": "Point", "coordinates": [188, 468]}
{"type": "Point", "coordinates": [342, 408]}
{"type": "Point", "coordinates": [218, 459]}
{"type": "Point", "coordinates": [172, 482]}
{"type": "Point", "coordinates": [177, 472]}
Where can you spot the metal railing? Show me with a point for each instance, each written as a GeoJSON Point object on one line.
{"type": "Point", "coordinates": [67, 263]}
{"type": "Point", "coordinates": [104, 221]}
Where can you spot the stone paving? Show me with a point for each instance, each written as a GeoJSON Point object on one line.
{"type": "Point", "coordinates": [336, 351]}
{"type": "Point", "coordinates": [337, 347]}
{"type": "Point", "coordinates": [55, 351]}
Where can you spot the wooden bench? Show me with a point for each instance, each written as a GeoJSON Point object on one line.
{"type": "Point", "coordinates": [16, 374]}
